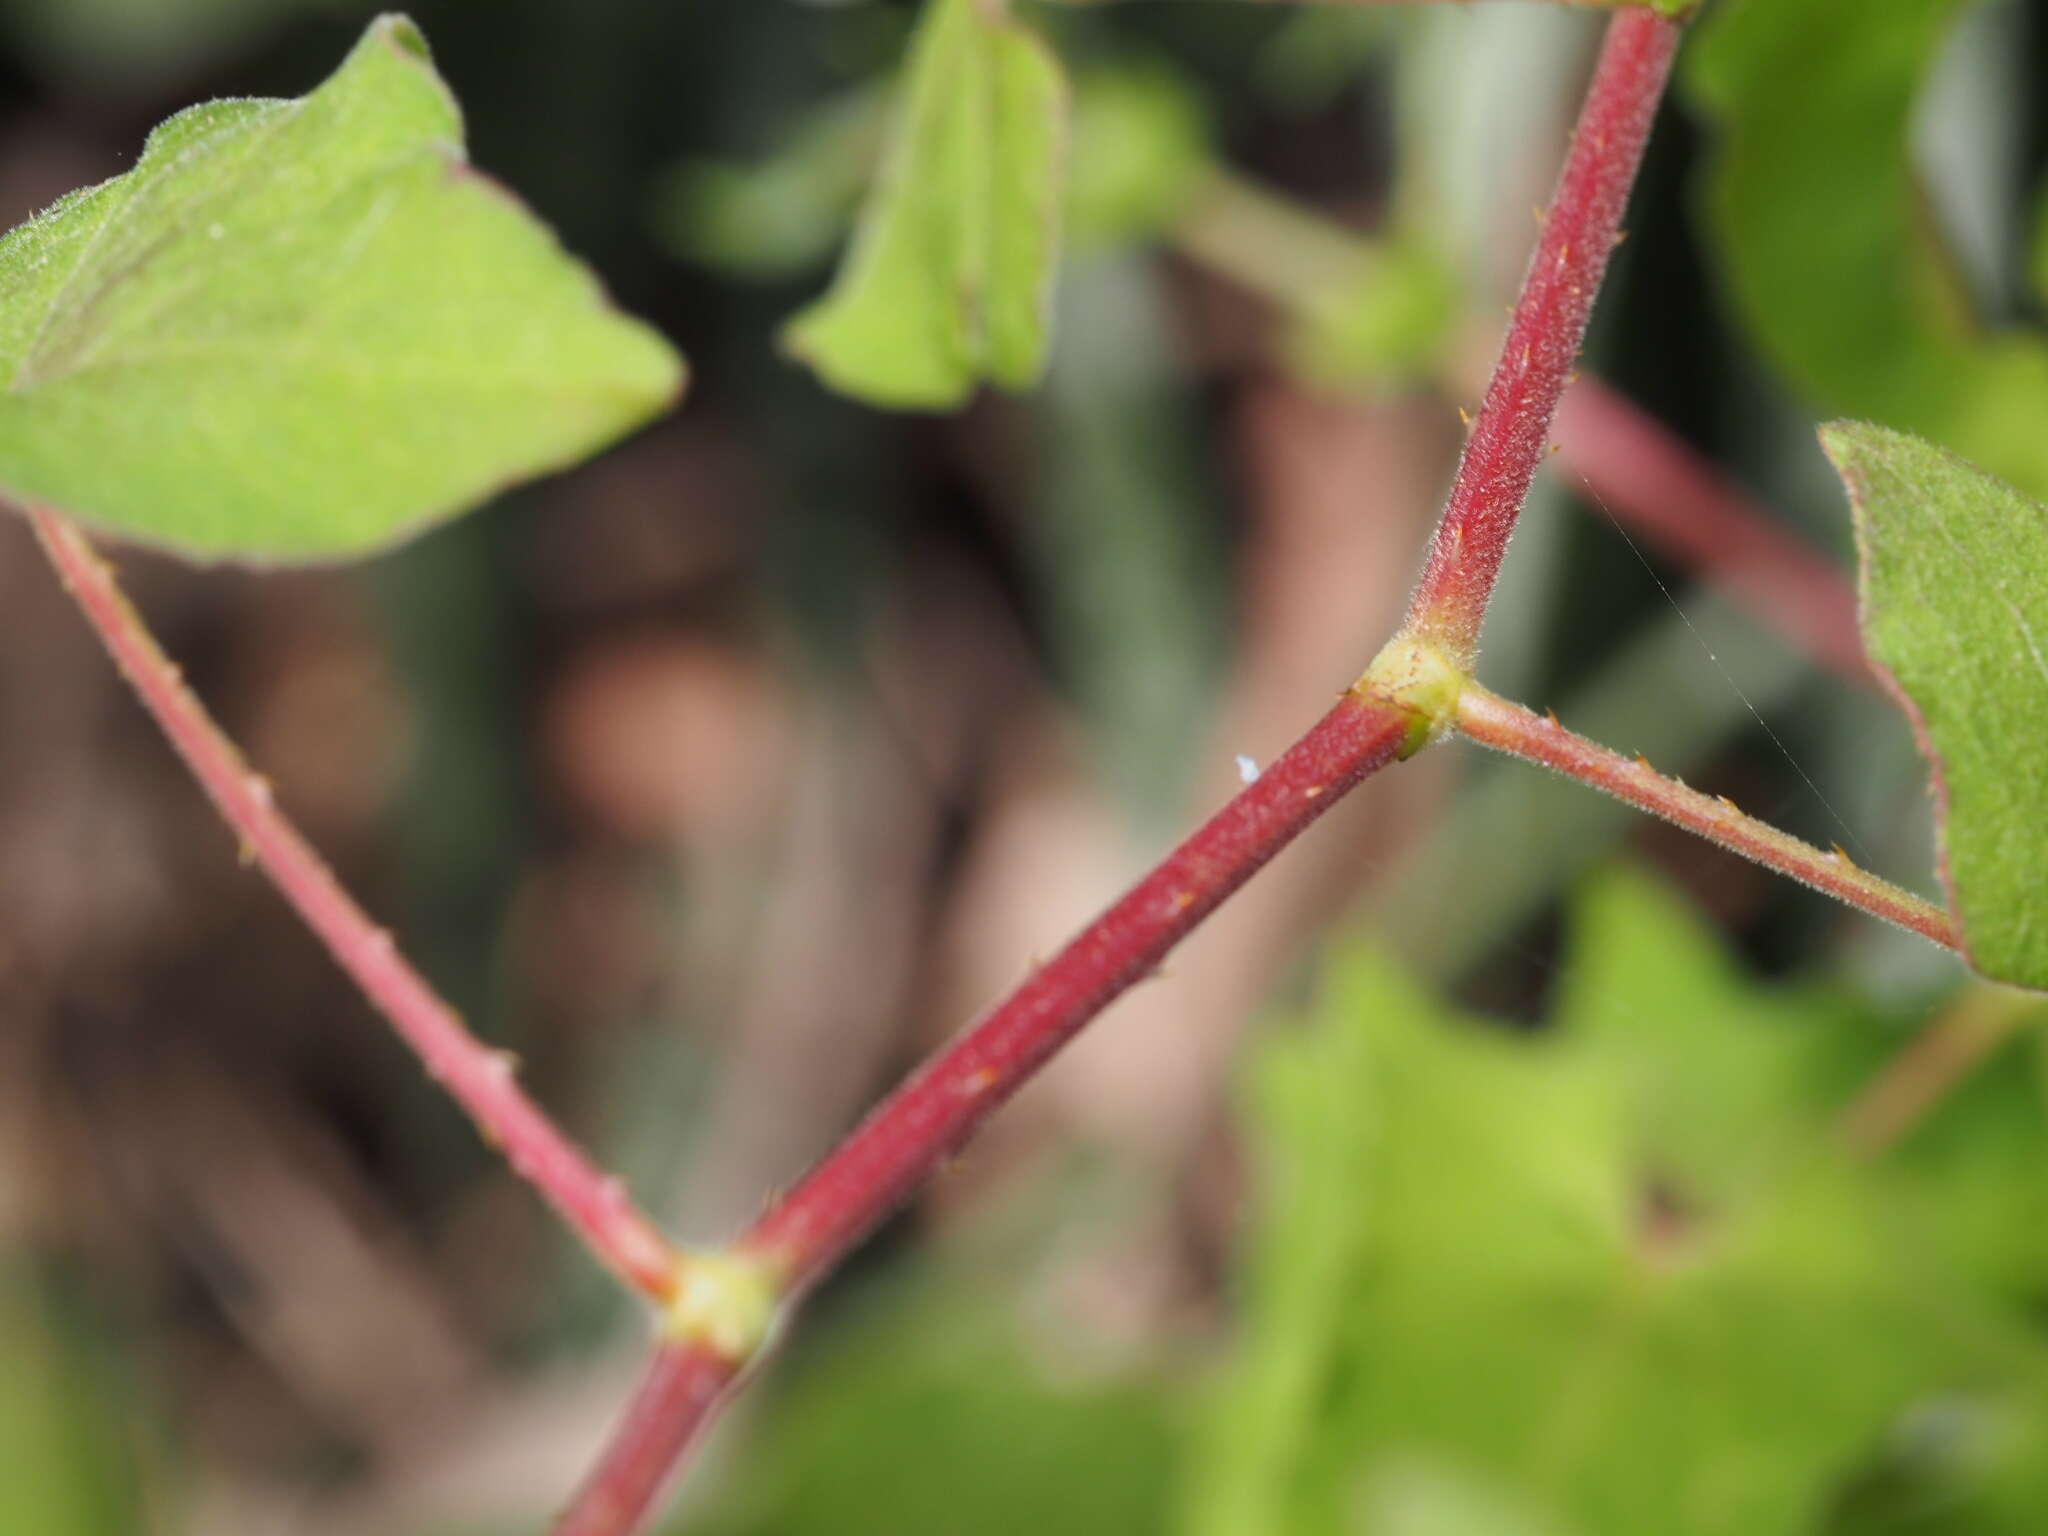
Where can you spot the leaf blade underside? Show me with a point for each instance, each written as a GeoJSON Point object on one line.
{"type": "Point", "coordinates": [302, 329]}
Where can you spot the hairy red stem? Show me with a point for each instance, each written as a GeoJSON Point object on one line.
{"type": "Point", "coordinates": [675, 1399]}
{"type": "Point", "coordinates": [924, 1121]}
{"type": "Point", "coordinates": [1493, 721]}
{"type": "Point", "coordinates": [481, 1079]}
{"type": "Point", "coordinates": [1652, 481]}
{"type": "Point", "coordinates": [914, 1130]}
{"type": "Point", "coordinates": [1512, 433]}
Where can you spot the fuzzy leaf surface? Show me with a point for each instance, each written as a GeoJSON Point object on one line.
{"type": "Point", "coordinates": [301, 329]}
{"type": "Point", "coordinates": [1955, 607]}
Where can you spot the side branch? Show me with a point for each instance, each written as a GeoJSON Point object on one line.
{"type": "Point", "coordinates": [926, 1120]}
{"type": "Point", "coordinates": [1642, 473]}
{"type": "Point", "coordinates": [1512, 434]}
{"type": "Point", "coordinates": [481, 1079]}
{"type": "Point", "coordinates": [1493, 721]}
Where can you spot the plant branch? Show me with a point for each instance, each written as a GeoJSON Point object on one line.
{"type": "Point", "coordinates": [676, 1398]}
{"type": "Point", "coordinates": [482, 1080]}
{"type": "Point", "coordinates": [1512, 433]}
{"type": "Point", "coordinates": [1495, 722]}
{"type": "Point", "coordinates": [1400, 703]}
{"type": "Point", "coordinates": [1641, 472]}
{"type": "Point", "coordinates": [927, 1119]}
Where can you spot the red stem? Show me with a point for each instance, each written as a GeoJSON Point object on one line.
{"type": "Point", "coordinates": [1512, 433]}
{"type": "Point", "coordinates": [481, 1079]}
{"type": "Point", "coordinates": [1652, 481]}
{"type": "Point", "coordinates": [926, 1120]}
{"type": "Point", "coordinates": [913, 1131]}
{"type": "Point", "coordinates": [675, 1399]}
{"type": "Point", "coordinates": [1492, 720]}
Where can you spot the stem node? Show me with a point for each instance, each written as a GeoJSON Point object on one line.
{"type": "Point", "coordinates": [726, 1302]}
{"type": "Point", "coordinates": [1422, 682]}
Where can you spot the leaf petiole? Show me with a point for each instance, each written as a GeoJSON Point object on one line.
{"type": "Point", "coordinates": [1508, 727]}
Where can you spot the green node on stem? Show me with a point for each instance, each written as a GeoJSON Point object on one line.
{"type": "Point", "coordinates": [727, 1302]}
{"type": "Point", "coordinates": [1418, 678]}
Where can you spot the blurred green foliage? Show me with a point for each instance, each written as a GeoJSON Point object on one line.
{"type": "Point", "coordinates": [1826, 239]}
{"type": "Point", "coordinates": [1389, 323]}
{"type": "Point", "coordinates": [1141, 141]}
{"type": "Point", "coordinates": [927, 1411]}
{"type": "Point", "coordinates": [67, 1459]}
{"type": "Point", "coordinates": [134, 39]}
{"type": "Point", "coordinates": [1619, 1276]}
{"type": "Point", "coordinates": [784, 214]}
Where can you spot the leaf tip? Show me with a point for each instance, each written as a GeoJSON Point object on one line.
{"type": "Point", "coordinates": [401, 33]}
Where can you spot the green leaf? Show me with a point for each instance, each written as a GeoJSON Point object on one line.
{"type": "Point", "coordinates": [950, 276]}
{"type": "Point", "coordinates": [1955, 608]}
{"type": "Point", "coordinates": [1512, 1280]}
{"type": "Point", "coordinates": [1843, 278]}
{"type": "Point", "coordinates": [305, 328]}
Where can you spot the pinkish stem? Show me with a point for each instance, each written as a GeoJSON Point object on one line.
{"type": "Point", "coordinates": [927, 1119]}
{"type": "Point", "coordinates": [1512, 433]}
{"type": "Point", "coordinates": [1489, 719]}
{"type": "Point", "coordinates": [675, 1400]}
{"type": "Point", "coordinates": [481, 1079]}
{"type": "Point", "coordinates": [913, 1131]}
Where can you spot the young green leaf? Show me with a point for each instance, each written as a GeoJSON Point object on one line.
{"type": "Point", "coordinates": [1955, 607]}
{"type": "Point", "coordinates": [304, 328]}
{"type": "Point", "coordinates": [949, 278]}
